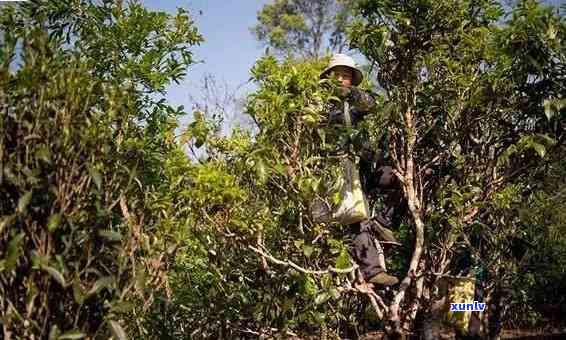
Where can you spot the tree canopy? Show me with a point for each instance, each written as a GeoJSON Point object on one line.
{"type": "Point", "coordinates": [302, 27]}
{"type": "Point", "coordinates": [468, 92]}
{"type": "Point", "coordinates": [84, 235]}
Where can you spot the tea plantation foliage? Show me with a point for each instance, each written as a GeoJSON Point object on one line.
{"type": "Point", "coordinates": [108, 228]}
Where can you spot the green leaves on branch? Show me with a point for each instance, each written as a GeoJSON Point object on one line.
{"type": "Point", "coordinates": [538, 143]}
{"type": "Point", "coordinates": [554, 107]}
{"type": "Point", "coordinates": [87, 151]}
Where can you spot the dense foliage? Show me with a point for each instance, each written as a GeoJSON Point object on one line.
{"type": "Point", "coordinates": [477, 98]}
{"type": "Point", "coordinates": [276, 175]}
{"type": "Point", "coordinates": [84, 242]}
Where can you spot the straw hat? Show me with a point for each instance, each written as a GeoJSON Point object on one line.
{"type": "Point", "coordinates": [344, 60]}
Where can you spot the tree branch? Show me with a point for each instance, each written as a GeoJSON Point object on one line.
{"type": "Point", "coordinates": [295, 266]}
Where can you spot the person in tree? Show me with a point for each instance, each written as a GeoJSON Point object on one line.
{"type": "Point", "coordinates": [377, 178]}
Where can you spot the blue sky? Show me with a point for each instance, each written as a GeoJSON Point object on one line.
{"type": "Point", "coordinates": [229, 49]}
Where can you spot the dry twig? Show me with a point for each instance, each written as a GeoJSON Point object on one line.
{"type": "Point", "coordinates": [295, 266]}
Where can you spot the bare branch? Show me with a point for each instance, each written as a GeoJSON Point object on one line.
{"type": "Point", "coordinates": [301, 269]}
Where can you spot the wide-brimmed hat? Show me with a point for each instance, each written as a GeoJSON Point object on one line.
{"type": "Point", "coordinates": [344, 60]}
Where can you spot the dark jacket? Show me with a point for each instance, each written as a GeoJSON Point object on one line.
{"type": "Point", "coordinates": [361, 103]}
{"type": "Point", "coordinates": [377, 178]}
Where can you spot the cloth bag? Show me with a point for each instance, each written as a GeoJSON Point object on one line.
{"type": "Point", "coordinates": [353, 206]}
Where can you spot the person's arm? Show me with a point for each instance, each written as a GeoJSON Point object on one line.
{"type": "Point", "coordinates": [362, 103]}
{"type": "Point", "coordinates": [394, 209]}
{"type": "Point", "coordinates": [335, 115]}
{"type": "Point", "coordinates": [387, 179]}
{"type": "Point", "coordinates": [387, 184]}
{"type": "Point", "coordinates": [362, 100]}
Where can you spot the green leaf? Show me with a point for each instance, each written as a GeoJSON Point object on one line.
{"type": "Point", "coordinates": [54, 333]}
{"type": "Point", "coordinates": [548, 109]}
{"type": "Point", "coordinates": [117, 330]}
{"type": "Point", "coordinates": [309, 287]}
{"type": "Point", "coordinates": [13, 252]}
{"type": "Point", "coordinates": [334, 293]}
{"type": "Point", "coordinates": [44, 154]}
{"type": "Point", "coordinates": [140, 279]}
{"type": "Point", "coordinates": [78, 292]}
{"type": "Point", "coordinates": [110, 235]}
{"type": "Point", "coordinates": [53, 222]}
{"type": "Point", "coordinates": [72, 335]}
{"type": "Point", "coordinates": [322, 134]}
{"type": "Point", "coordinates": [539, 148]}
{"type": "Point", "coordinates": [336, 198]}
{"type": "Point", "coordinates": [5, 220]}
{"type": "Point", "coordinates": [122, 307]}
{"type": "Point", "coordinates": [308, 250]}
{"type": "Point", "coordinates": [309, 119]}
{"type": "Point", "coordinates": [96, 176]}
{"type": "Point", "coordinates": [321, 298]}
{"type": "Point", "coordinates": [261, 171]}
{"type": "Point", "coordinates": [546, 139]}
{"type": "Point", "coordinates": [343, 260]}
{"type": "Point", "coordinates": [553, 106]}
{"type": "Point", "coordinates": [55, 274]}
{"type": "Point", "coordinates": [24, 201]}
{"type": "Point", "coordinates": [100, 284]}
